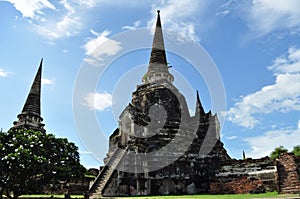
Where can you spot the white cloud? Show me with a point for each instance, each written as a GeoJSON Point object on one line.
{"type": "Point", "coordinates": [223, 13]}
{"type": "Point", "coordinates": [94, 33]}
{"type": "Point", "coordinates": [98, 101]}
{"type": "Point", "coordinates": [66, 27]}
{"type": "Point", "coordinates": [31, 8]}
{"type": "Point", "coordinates": [65, 18]}
{"type": "Point", "coordinates": [266, 16]}
{"type": "Point", "coordinates": [100, 46]}
{"type": "Point", "coordinates": [282, 96]}
{"type": "Point", "coordinates": [224, 9]}
{"type": "Point", "coordinates": [289, 63]}
{"type": "Point", "coordinates": [46, 81]}
{"type": "Point", "coordinates": [231, 137]}
{"type": "Point", "coordinates": [84, 152]}
{"type": "Point", "coordinates": [89, 3]}
{"type": "Point", "coordinates": [115, 3]}
{"type": "Point", "coordinates": [136, 24]}
{"type": "Point", "coordinates": [61, 20]}
{"type": "Point", "coordinates": [176, 15]}
{"type": "Point", "coordinates": [3, 73]}
{"type": "Point", "coordinates": [263, 145]}
{"type": "Point", "coordinates": [67, 6]}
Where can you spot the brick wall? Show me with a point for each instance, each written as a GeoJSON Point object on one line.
{"type": "Point", "coordinates": [238, 186]}
{"type": "Point", "coordinates": [246, 176]}
{"type": "Point", "coordinates": [297, 159]}
{"type": "Point", "coordinates": [288, 171]}
{"type": "Point", "coordinates": [75, 187]}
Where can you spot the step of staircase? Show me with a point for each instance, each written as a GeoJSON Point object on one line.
{"type": "Point", "coordinates": [105, 174]}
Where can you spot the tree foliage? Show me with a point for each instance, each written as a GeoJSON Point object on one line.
{"type": "Point", "coordinates": [296, 150]}
{"type": "Point", "coordinates": [277, 152]}
{"type": "Point", "coordinates": [29, 160]}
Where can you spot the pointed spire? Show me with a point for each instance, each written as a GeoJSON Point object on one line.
{"type": "Point", "coordinates": [30, 117]}
{"type": "Point", "coordinates": [158, 23]}
{"type": "Point", "coordinates": [158, 67]}
{"type": "Point", "coordinates": [199, 107]}
{"type": "Point", "coordinates": [158, 54]}
{"type": "Point", "coordinates": [244, 155]}
{"type": "Point", "coordinates": [32, 104]}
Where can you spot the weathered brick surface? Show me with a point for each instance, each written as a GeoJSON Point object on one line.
{"type": "Point", "coordinates": [246, 176]}
{"type": "Point", "coordinates": [297, 159]}
{"type": "Point", "coordinates": [79, 186]}
{"type": "Point", "coordinates": [238, 186]}
{"type": "Point", "coordinates": [288, 174]}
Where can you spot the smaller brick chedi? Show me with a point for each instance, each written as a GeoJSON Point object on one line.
{"type": "Point", "coordinates": [30, 117]}
{"type": "Point", "coordinates": [159, 148]}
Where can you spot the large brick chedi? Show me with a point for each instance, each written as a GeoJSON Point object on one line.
{"type": "Point", "coordinates": [159, 148]}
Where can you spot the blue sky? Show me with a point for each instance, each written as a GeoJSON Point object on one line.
{"type": "Point", "coordinates": [254, 44]}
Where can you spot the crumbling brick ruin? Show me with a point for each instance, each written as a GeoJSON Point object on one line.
{"type": "Point", "coordinates": [289, 174]}
{"type": "Point", "coordinates": [246, 176]}
{"type": "Point", "coordinates": [258, 175]}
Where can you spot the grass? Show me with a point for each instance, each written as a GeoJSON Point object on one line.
{"type": "Point", "coordinates": [49, 195]}
{"type": "Point", "coordinates": [225, 196]}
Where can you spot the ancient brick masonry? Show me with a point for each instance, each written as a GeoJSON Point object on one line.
{"type": "Point", "coordinates": [240, 185]}
{"type": "Point", "coordinates": [297, 159]}
{"type": "Point", "coordinates": [246, 176]}
{"type": "Point", "coordinates": [258, 175]}
{"type": "Point", "coordinates": [288, 170]}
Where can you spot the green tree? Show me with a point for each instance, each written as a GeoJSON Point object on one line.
{"type": "Point", "coordinates": [2, 167]}
{"type": "Point", "coordinates": [296, 150]}
{"type": "Point", "coordinates": [277, 152]}
{"type": "Point", "coordinates": [31, 160]}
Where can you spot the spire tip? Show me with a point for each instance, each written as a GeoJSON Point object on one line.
{"type": "Point", "coordinates": [158, 11]}
{"type": "Point", "coordinates": [41, 62]}
{"type": "Point", "coordinates": [198, 98]}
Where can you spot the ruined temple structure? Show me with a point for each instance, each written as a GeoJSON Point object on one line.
{"type": "Point", "coordinates": [30, 117]}
{"type": "Point", "coordinates": [159, 148]}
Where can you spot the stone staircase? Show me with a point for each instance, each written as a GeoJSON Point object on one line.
{"type": "Point", "coordinates": [103, 177]}
{"type": "Point", "coordinates": [288, 175]}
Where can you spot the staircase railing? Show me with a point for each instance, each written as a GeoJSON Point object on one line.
{"type": "Point", "coordinates": [109, 164]}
